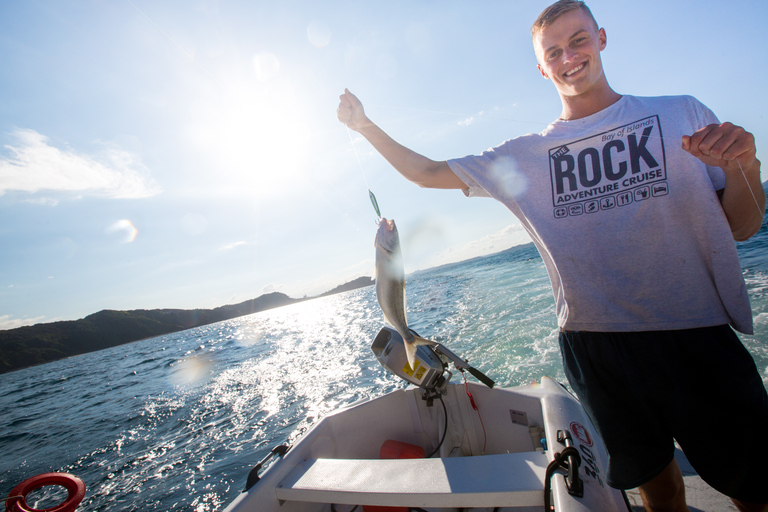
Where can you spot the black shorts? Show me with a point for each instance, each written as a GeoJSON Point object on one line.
{"type": "Point", "coordinates": [700, 387]}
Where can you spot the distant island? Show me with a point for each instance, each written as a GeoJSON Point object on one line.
{"type": "Point", "coordinates": [43, 343]}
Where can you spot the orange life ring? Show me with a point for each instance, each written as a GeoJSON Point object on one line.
{"type": "Point", "coordinates": [17, 498]}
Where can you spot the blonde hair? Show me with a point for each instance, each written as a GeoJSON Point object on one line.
{"type": "Point", "coordinates": [556, 10]}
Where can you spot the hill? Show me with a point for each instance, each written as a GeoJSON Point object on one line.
{"type": "Point", "coordinates": [43, 343]}
{"type": "Point", "coordinates": [360, 282]}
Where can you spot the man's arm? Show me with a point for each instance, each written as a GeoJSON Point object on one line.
{"type": "Point", "coordinates": [732, 148]}
{"type": "Point", "coordinates": [413, 166]}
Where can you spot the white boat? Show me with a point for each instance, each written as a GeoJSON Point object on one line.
{"type": "Point", "coordinates": [527, 448]}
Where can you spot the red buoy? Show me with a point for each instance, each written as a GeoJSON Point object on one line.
{"type": "Point", "coordinates": [17, 498]}
{"type": "Point", "coordinates": [392, 449]}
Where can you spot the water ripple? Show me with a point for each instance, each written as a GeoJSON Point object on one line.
{"type": "Point", "coordinates": [176, 422]}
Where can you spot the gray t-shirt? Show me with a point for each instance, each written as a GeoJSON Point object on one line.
{"type": "Point", "coordinates": [629, 225]}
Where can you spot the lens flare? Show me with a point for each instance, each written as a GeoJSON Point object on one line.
{"type": "Point", "coordinates": [193, 370]}
{"type": "Point", "coordinates": [125, 229]}
{"type": "Point", "coordinates": [511, 181]}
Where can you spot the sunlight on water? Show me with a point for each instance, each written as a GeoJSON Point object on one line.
{"type": "Point", "coordinates": [757, 283]}
{"type": "Point", "coordinates": [176, 422]}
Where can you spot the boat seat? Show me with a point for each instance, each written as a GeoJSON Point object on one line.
{"type": "Point", "coordinates": [515, 479]}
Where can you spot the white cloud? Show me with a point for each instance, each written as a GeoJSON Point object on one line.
{"type": "Point", "coordinates": [6, 322]}
{"type": "Point", "coordinates": [233, 245]}
{"type": "Point", "coordinates": [471, 119]}
{"type": "Point", "coordinates": [42, 201]}
{"type": "Point", "coordinates": [32, 164]}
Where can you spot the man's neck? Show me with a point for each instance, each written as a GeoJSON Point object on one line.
{"type": "Point", "coordinates": [583, 105]}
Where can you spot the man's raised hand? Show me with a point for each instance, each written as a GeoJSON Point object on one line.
{"type": "Point", "coordinates": [351, 112]}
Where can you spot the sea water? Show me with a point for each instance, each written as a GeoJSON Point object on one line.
{"type": "Point", "coordinates": [176, 422]}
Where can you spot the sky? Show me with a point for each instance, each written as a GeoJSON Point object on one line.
{"type": "Point", "coordinates": [186, 154]}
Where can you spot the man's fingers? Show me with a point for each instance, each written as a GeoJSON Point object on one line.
{"type": "Point", "coordinates": [346, 105]}
{"type": "Point", "coordinates": [744, 143]}
{"type": "Point", "coordinates": [719, 144]}
{"type": "Point", "coordinates": [348, 98]}
{"type": "Point", "coordinates": [696, 140]}
{"type": "Point", "coordinates": [719, 141]}
{"type": "Point", "coordinates": [343, 114]}
{"type": "Point", "coordinates": [687, 143]}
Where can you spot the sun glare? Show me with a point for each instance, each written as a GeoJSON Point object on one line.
{"type": "Point", "coordinates": [257, 135]}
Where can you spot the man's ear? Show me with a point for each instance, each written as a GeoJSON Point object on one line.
{"type": "Point", "coordinates": [543, 73]}
{"type": "Point", "coordinates": [602, 38]}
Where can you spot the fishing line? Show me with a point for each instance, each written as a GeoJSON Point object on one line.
{"type": "Point", "coordinates": [359, 163]}
{"type": "Point", "coordinates": [372, 197]}
{"type": "Point", "coordinates": [757, 203]}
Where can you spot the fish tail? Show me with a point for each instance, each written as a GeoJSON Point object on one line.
{"type": "Point", "coordinates": [410, 348]}
{"type": "Point", "coordinates": [410, 353]}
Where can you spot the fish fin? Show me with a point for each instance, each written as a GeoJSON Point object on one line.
{"type": "Point", "coordinates": [410, 348]}
{"type": "Point", "coordinates": [422, 341]}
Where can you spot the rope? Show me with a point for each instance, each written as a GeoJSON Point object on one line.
{"type": "Point", "coordinates": [474, 406]}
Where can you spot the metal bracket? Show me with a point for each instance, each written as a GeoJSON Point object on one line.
{"type": "Point", "coordinates": [572, 481]}
{"type": "Point", "coordinates": [253, 476]}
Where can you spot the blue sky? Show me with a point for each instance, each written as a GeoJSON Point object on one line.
{"type": "Point", "coordinates": [185, 154]}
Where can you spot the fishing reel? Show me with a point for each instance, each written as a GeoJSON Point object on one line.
{"type": "Point", "coordinates": [430, 370]}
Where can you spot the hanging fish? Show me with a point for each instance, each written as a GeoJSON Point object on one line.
{"type": "Point", "coordinates": [390, 286]}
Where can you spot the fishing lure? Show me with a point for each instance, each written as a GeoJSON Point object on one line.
{"type": "Point", "coordinates": [374, 203]}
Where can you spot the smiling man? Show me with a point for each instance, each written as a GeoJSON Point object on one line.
{"type": "Point", "coordinates": [568, 50]}
{"type": "Point", "coordinates": [634, 204]}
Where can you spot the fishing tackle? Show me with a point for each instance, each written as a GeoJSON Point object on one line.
{"type": "Point", "coordinates": [374, 203]}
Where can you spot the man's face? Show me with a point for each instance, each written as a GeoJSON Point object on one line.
{"type": "Point", "coordinates": [568, 51]}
